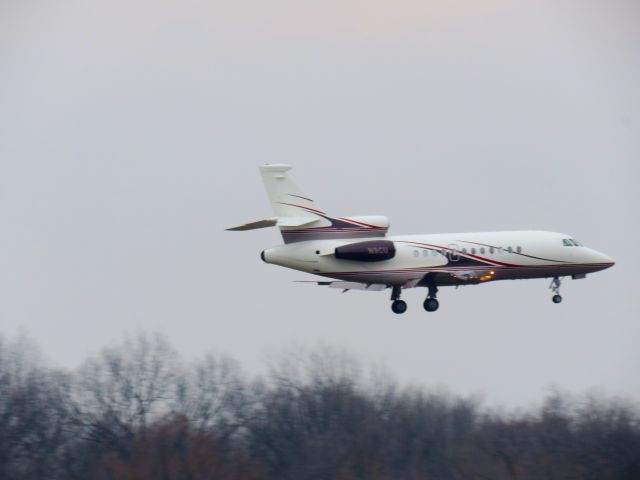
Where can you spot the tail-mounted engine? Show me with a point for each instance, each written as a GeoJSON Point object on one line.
{"type": "Point", "coordinates": [369, 251]}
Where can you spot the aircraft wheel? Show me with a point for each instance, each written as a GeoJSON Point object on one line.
{"type": "Point", "coordinates": [399, 306]}
{"type": "Point", "coordinates": [431, 304]}
{"type": "Point", "coordinates": [556, 298]}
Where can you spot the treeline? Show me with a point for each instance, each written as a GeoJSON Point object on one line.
{"type": "Point", "coordinates": [138, 411]}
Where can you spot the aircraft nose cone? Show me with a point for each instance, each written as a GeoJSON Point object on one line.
{"type": "Point", "coordinates": [605, 260]}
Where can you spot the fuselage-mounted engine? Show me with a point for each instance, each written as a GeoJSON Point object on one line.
{"type": "Point", "coordinates": [368, 251]}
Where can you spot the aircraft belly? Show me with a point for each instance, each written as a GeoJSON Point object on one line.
{"type": "Point", "coordinates": [545, 272]}
{"type": "Point", "coordinates": [451, 278]}
{"type": "Point", "coordinates": [387, 278]}
{"type": "Point", "coordinates": [518, 273]}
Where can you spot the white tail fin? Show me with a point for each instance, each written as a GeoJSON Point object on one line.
{"type": "Point", "coordinates": [300, 220]}
{"type": "Point", "coordinates": [287, 200]}
{"type": "Point", "coordinates": [293, 208]}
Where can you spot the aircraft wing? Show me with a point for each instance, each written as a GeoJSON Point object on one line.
{"type": "Point", "coordinates": [374, 287]}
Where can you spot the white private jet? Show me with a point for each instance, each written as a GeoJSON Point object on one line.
{"type": "Point", "coordinates": [357, 253]}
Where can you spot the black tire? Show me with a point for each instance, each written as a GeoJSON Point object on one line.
{"type": "Point", "coordinates": [431, 304]}
{"type": "Point", "coordinates": [399, 306]}
{"type": "Point", "coordinates": [556, 299]}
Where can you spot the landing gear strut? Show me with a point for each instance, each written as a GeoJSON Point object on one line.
{"type": "Point", "coordinates": [431, 303]}
{"type": "Point", "coordinates": [397, 305]}
{"type": "Point", "coordinates": [555, 288]}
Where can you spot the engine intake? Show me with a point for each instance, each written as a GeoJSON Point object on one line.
{"type": "Point", "coordinates": [370, 251]}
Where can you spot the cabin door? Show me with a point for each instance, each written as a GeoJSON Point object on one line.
{"type": "Point", "coordinates": [453, 252]}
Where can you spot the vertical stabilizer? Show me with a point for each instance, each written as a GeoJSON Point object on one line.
{"type": "Point", "coordinates": [287, 200]}
{"type": "Point", "coordinates": [300, 220]}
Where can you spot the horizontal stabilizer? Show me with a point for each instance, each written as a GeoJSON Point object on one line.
{"type": "Point", "coordinates": [267, 222]}
{"type": "Point", "coordinates": [276, 221]}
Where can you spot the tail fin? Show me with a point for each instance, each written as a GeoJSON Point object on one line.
{"type": "Point", "coordinates": [287, 200]}
{"type": "Point", "coordinates": [293, 209]}
{"type": "Point", "coordinates": [299, 219]}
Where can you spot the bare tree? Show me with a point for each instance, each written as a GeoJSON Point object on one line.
{"type": "Point", "coordinates": [122, 389]}
{"type": "Point", "coordinates": [212, 395]}
{"type": "Point", "coordinates": [34, 415]}
{"type": "Point", "coordinates": [172, 449]}
{"type": "Point", "coordinates": [135, 411]}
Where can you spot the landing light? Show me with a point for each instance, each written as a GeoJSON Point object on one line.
{"type": "Point", "coordinates": [492, 272]}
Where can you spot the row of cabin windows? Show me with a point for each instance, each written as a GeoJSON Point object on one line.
{"type": "Point", "coordinates": [473, 251]}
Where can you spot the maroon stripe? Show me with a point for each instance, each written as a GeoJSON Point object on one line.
{"type": "Point", "coordinates": [488, 267]}
{"type": "Point", "coordinates": [330, 230]}
{"type": "Point", "coordinates": [299, 196]}
{"type": "Point", "coordinates": [320, 212]}
{"type": "Point", "coordinates": [360, 223]}
{"type": "Point", "coordinates": [304, 208]}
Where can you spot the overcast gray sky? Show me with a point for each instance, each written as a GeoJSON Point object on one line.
{"type": "Point", "coordinates": [131, 131]}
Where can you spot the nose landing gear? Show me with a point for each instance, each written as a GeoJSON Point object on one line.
{"type": "Point", "coordinates": [555, 288]}
{"type": "Point", "coordinates": [397, 305]}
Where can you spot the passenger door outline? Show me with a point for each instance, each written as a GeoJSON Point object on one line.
{"type": "Point", "coordinates": [453, 252]}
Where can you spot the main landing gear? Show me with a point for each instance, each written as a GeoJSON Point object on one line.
{"type": "Point", "coordinates": [397, 305]}
{"type": "Point", "coordinates": [431, 303]}
{"type": "Point", "coordinates": [555, 288]}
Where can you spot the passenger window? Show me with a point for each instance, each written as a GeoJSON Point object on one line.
{"type": "Point", "coordinates": [473, 250]}
{"type": "Point", "coordinates": [464, 251]}
{"type": "Point", "coordinates": [519, 249]}
{"type": "Point", "coordinates": [482, 250]}
{"type": "Point", "coordinates": [425, 253]}
{"type": "Point", "coordinates": [492, 250]}
{"type": "Point", "coordinates": [509, 249]}
{"type": "Point", "coordinates": [416, 253]}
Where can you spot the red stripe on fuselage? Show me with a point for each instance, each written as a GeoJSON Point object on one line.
{"type": "Point", "coordinates": [455, 269]}
{"type": "Point", "coordinates": [359, 223]}
{"type": "Point", "coordinates": [348, 220]}
{"type": "Point", "coordinates": [331, 230]}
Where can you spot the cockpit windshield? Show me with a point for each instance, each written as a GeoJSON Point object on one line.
{"type": "Point", "coordinates": [571, 242]}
